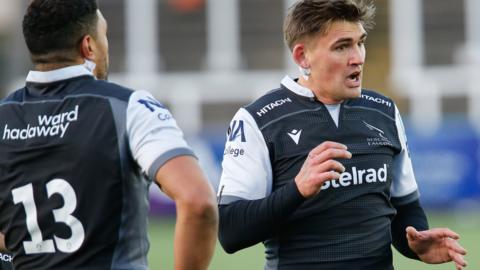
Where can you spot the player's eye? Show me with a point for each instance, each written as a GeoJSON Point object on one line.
{"type": "Point", "coordinates": [341, 47]}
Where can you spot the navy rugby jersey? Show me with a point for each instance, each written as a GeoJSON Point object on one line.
{"type": "Point", "coordinates": [78, 157]}
{"type": "Point", "coordinates": [349, 220]}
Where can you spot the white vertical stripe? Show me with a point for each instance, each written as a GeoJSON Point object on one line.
{"type": "Point", "coordinates": [403, 182]}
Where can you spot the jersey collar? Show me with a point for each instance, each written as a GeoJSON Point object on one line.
{"type": "Point", "coordinates": [293, 86]}
{"type": "Point", "coordinates": [58, 74]}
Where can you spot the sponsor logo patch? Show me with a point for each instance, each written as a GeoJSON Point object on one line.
{"type": "Point", "coordinates": [164, 116]}
{"type": "Point", "coordinates": [236, 130]}
{"type": "Point", "coordinates": [47, 126]}
{"type": "Point", "coordinates": [151, 103]}
{"type": "Point", "coordinates": [5, 257]}
{"type": "Point", "coordinates": [377, 100]}
{"type": "Point", "coordinates": [295, 135]}
{"type": "Point", "coordinates": [380, 140]}
{"type": "Point", "coordinates": [358, 177]}
{"type": "Point", "coordinates": [234, 152]}
{"type": "Point", "coordinates": [277, 103]}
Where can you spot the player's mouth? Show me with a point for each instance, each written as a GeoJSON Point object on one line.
{"type": "Point", "coordinates": [354, 79]}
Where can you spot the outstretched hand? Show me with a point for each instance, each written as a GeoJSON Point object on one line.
{"type": "Point", "coordinates": [436, 246]}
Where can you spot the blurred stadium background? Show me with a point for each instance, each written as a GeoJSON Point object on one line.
{"type": "Point", "coordinates": [206, 58]}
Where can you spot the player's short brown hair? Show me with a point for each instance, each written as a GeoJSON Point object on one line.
{"type": "Point", "coordinates": [308, 18]}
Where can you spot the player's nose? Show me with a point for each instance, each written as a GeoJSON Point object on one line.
{"type": "Point", "coordinates": [357, 56]}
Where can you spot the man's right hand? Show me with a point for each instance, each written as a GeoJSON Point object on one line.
{"type": "Point", "coordinates": [321, 166]}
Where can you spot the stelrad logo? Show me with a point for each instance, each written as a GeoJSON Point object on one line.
{"type": "Point", "coordinates": [358, 177]}
{"type": "Point", "coordinates": [48, 126]}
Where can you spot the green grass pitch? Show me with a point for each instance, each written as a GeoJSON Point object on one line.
{"type": "Point", "coordinates": [468, 225]}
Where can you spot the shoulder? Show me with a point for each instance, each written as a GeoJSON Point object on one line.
{"type": "Point", "coordinates": [375, 101]}
{"type": "Point", "coordinates": [16, 96]}
{"type": "Point", "coordinates": [273, 105]}
{"type": "Point", "coordinates": [269, 103]}
{"type": "Point", "coordinates": [131, 97]}
{"type": "Point", "coordinates": [109, 90]}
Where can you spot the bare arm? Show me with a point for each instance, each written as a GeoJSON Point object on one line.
{"type": "Point", "coordinates": [197, 217]}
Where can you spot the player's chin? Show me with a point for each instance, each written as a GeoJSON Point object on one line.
{"type": "Point", "coordinates": [353, 92]}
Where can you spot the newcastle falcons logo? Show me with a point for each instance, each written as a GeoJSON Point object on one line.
{"type": "Point", "coordinates": [373, 128]}
{"type": "Point", "coordinates": [381, 140]}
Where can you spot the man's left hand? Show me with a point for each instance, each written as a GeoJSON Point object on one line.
{"type": "Point", "coordinates": [436, 246]}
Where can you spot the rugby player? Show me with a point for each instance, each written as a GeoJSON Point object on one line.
{"type": "Point", "coordinates": [318, 169]}
{"type": "Point", "coordinates": [79, 154]}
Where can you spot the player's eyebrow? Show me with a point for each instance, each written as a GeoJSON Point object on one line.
{"type": "Point", "coordinates": [349, 39]}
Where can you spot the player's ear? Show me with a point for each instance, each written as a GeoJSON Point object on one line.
{"type": "Point", "coordinates": [299, 55]}
{"type": "Point", "coordinates": [87, 47]}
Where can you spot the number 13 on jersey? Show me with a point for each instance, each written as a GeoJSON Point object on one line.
{"type": "Point", "coordinates": [24, 195]}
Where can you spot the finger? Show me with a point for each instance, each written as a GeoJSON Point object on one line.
{"type": "Point", "coordinates": [412, 233]}
{"type": "Point", "coordinates": [331, 153]}
{"type": "Point", "coordinates": [457, 258]}
{"type": "Point", "coordinates": [329, 165]}
{"type": "Point", "coordinates": [443, 232]}
{"type": "Point", "coordinates": [455, 246]}
{"type": "Point", "coordinates": [459, 267]}
{"type": "Point", "coordinates": [320, 178]}
{"type": "Point", "coordinates": [326, 145]}
{"type": "Point", "coordinates": [449, 233]}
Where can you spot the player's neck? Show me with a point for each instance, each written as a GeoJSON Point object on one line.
{"type": "Point", "coordinates": [51, 61]}
{"type": "Point", "coordinates": [53, 66]}
{"type": "Point", "coordinates": [318, 93]}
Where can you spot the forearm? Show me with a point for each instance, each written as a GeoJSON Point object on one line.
{"type": "Point", "coordinates": [410, 214]}
{"type": "Point", "coordinates": [195, 235]}
{"type": "Point", "coordinates": [246, 223]}
{"type": "Point", "coordinates": [197, 217]}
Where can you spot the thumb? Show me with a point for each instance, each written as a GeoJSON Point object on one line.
{"type": "Point", "coordinates": [412, 233]}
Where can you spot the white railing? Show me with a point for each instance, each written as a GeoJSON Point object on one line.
{"type": "Point", "coordinates": [222, 81]}
{"type": "Point", "coordinates": [423, 85]}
